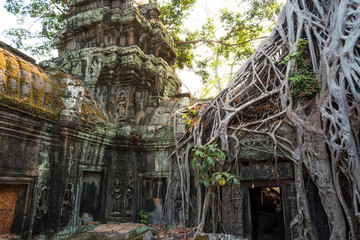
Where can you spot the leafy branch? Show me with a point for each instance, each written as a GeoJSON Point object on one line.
{"type": "Point", "coordinates": [51, 13]}
{"type": "Point", "coordinates": [304, 83]}
{"type": "Point", "coordinates": [144, 216]}
{"type": "Point", "coordinates": [190, 118]}
{"type": "Point", "coordinates": [222, 42]}
{"type": "Point", "coordinates": [205, 161]}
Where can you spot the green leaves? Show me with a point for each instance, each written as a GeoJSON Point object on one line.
{"type": "Point", "coordinates": [174, 12]}
{"type": "Point", "coordinates": [51, 14]}
{"type": "Point", "coordinates": [304, 83]}
{"type": "Point", "coordinates": [144, 216]}
{"type": "Point", "coordinates": [224, 177]}
{"type": "Point", "coordinates": [190, 118]}
{"type": "Point", "coordinates": [205, 162]}
{"type": "Point", "coordinates": [225, 40]}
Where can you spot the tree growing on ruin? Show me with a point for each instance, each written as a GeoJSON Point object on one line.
{"type": "Point", "coordinates": [305, 75]}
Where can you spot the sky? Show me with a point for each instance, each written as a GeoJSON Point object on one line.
{"type": "Point", "coordinates": [8, 20]}
{"type": "Point", "coordinates": [203, 10]}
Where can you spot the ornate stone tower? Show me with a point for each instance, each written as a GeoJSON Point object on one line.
{"type": "Point", "coordinates": [122, 52]}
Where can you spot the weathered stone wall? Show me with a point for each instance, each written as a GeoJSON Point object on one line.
{"type": "Point", "coordinates": [122, 53]}
{"type": "Point", "coordinates": [47, 158]}
{"type": "Point", "coordinates": [86, 136]}
{"type": "Point", "coordinates": [116, 23]}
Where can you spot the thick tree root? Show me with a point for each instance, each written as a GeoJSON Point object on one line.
{"type": "Point", "coordinates": [258, 101]}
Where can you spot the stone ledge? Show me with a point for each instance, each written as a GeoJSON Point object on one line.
{"type": "Point", "coordinates": [122, 231]}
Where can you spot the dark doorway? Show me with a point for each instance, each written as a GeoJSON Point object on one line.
{"type": "Point", "coordinates": [154, 192]}
{"type": "Point", "coordinates": [267, 213]}
{"type": "Point", "coordinates": [91, 195]}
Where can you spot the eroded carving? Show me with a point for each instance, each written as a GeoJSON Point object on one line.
{"type": "Point", "coordinates": [41, 210]}
{"type": "Point", "coordinates": [66, 209]}
{"type": "Point", "coordinates": [116, 193]}
{"type": "Point", "coordinates": [129, 194]}
{"type": "Point", "coordinates": [121, 111]}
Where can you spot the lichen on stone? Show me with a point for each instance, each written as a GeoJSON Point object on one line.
{"type": "Point", "coordinates": [89, 111]}
{"type": "Point", "coordinates": [3, 77]}
{"type": "Point", "coordinates": [13, 75]}
{"type": "Point", "coordinates": [27, 88]}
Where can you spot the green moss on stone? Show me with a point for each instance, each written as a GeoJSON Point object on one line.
{"type": "Point", "coordinates": [38, 87]}
{"type": "Point", "coordinates": [25, 81]}
{"type": "Point", "coordinates": [89, 111]}
{"type": "Point", "coordinates": [3, 83]}
{"type": "Point", "coordinates": [13, 75]}
{"type": "Point", "coordinates": [29, 89]}
{"type": "Point", "coordinates": [2, 60]}
{"type": "Point", "coordinates": [24, 107]}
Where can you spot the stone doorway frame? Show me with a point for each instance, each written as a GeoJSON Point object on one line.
{"type": "Point", "coordinates": [24, 208]}
{"type": "Point", "coordinates": [79, 188]}
{"type": "Point", "coordinates": [288, 200]}
{"type": "Point", "coordinates": [140, 197]}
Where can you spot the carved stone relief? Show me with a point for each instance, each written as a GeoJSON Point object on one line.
{"type": "Point", "coordinates": [90, 153]}
{"type": "Point", "coordinates": [67, 206]}
{"type": "Point", "coordinates": [93, 69]}
{"type": "Point", "coordinates": [129, 195]}
{"type": "Point", "coordinates": [117, 193]}
{"type": "Point", "coordinates": [285, 170]}
{"type": "Point", "coordinates": [41, 210]}
{"type": "Point", "coordinates": [121, 108]}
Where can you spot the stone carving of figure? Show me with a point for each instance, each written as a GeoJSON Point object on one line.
{"type": "Point", "coordinates": [94, 66]}
{"type": "Point", "coordinates": [41, 210]}
{"type": "Point", "coordinates": [42, 207]}
{"type": "Point", "coordinates": [179, 210]}
{"type": "Point", "coordinates": [116, 193]}
{"type": "Point", "coordinates": [129, 195]}
{"type": "Point", "coordinates": [66, 206]}
{"type": "Point", "coordinates": [160, 82]}
{"type": "Point", "coordinates": [121, 108]}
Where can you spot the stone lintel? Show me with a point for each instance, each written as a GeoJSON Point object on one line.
{"type": "Point", "coordinates": [267, 171]}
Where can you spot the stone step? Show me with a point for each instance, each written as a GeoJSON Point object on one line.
{"type": "Point", "coordinates": [121, 231]}
{"type": "Point", "coordinates": [9, 236]}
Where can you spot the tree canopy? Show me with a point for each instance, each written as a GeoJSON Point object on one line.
{"type": "Point", "coordinates": [51, 14]}
{"type": "Point", "coordinates": [219, 43]}
{"type": "Point", "coordinates": [225, 39]}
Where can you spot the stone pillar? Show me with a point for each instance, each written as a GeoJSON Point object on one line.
{"type": "Point", "coordinates": [130, 36]}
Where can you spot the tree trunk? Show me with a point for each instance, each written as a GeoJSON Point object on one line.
{"type": "Point", "coordinates": [326, 125]}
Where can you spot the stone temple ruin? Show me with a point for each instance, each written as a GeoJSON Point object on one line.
{"type": "Point", "coordinates": [86, 136]}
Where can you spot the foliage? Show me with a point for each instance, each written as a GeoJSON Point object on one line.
{"type": "Point", "coordinates": [34, 111]}
{"type": "Point", "coordinates": [305, 84]}
{"type": "Point", "coordinates": [205, 161]}
{"type": "Point", "coordinates": [225, 44]}
{"type": "Point", "coordinates": [190, 117]}
{"type": "Point", "coordinates": [144, 216]}
{"type": "Point", "coordinates": [51, 13]}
